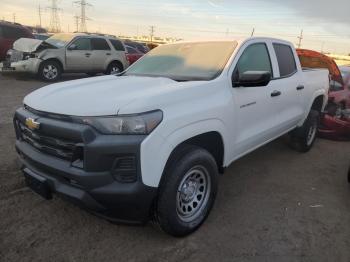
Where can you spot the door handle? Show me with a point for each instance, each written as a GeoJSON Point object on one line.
{"type": "Point", "coordinates": [108, 54]}
{"type": "Point", "coordinates": [275, 93]}
{"type": "Point", "coordinates": [87, 54]}
{"type": "Point", "coordinates": [300, 88]}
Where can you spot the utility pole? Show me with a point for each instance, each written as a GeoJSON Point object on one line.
{"type": "Point", "coordinates": [83, 4]}
{"type": "Point", "coordinates": [39, 13]}
{"type": "Point", "coordinates": [55, 26]}
{"type": "Point", "coordinates": [227, 32]}
{"type": "Point", "coordinates": [14, 17]}
{"type": "Point", "coordinates": [301, 37]}
{"type": "Point", "coordinates": [151, 31]}
{"type": "Point", "coordinates": [253, 32]}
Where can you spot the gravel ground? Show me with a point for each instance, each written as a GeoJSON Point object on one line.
{"type": "Point", "coordinates": [273, 205]}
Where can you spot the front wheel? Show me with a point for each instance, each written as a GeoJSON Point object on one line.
{"type": "Point", "coordinates": [187, 191]}
{"type": "Point", "coordinates": [50, 71]}
{"type": "Point", "coordinates": [303, 138]}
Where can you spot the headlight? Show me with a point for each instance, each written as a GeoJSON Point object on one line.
{"type": "Point", "coordinates": [27, 56]}
{"type": "Point", "coordinates": [138, 124]}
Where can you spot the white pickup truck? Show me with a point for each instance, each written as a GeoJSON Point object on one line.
{"type": "Point", "coordinates": [151, 142]}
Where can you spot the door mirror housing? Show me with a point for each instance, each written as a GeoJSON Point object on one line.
{"type": "Point", "coordinates": [252, 79]}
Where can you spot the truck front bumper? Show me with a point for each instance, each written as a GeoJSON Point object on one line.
{"type": "Point", "coordinates": [93, 184]}
{"type": "Point", "coordinates": [30, 65]}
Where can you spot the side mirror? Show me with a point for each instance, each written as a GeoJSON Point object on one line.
{"type": "Point", "coordinates": [252, 79]}
{"type": "Point", "coordinates": [72, 47]}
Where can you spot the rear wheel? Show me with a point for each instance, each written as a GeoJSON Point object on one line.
{"type": "Point", "coordinates": [303, 138]}
{"type": "Point", "coordinates": [187, 191]}
{"type": "Point", "coordinates": [50, 71]}
{"type": "Point", "coordinates": [114, 68]}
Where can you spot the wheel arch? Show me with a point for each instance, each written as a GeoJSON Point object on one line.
{"type": "Point", "coordinates": [157, 150]}
{"type": "Point", "coordinates": [114, 61]}
{"type": "Point", "coordinates": [318, 103]}
{"type": "Point", "coordinates": [55, 60]}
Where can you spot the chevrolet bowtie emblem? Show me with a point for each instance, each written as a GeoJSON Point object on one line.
{"type": "Point", "coordinates": [32, 124]}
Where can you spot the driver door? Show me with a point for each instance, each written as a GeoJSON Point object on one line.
{"type": "Point", "coordinates": [78, 55]}
{"type": "Point", "coordinates": [255, 118]}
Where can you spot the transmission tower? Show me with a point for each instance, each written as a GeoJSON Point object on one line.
{"type": "Point", "coordinates": [151, 32]}
{"type": "Point", "coordinates": [55, 26]}
{"type": "Point", "coordinates": [39, 13]}
{"type": "Point", "coordinates": [83, 18]}
{"type": "Point", "coordinates": [301, 37]}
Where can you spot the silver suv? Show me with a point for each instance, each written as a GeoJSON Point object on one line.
{"type": "Point", "coordinates": [76, 53]}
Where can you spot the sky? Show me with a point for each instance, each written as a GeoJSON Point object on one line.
{"type": "Point", "coordinates": [325, 24]}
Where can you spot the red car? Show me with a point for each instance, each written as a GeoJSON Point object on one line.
{"type": "Point", "coordinates": [9, 33]}
{"type": "Point", "coordinates": [335, 122]}
{"type": "Point", "coordinates": [132, 54]}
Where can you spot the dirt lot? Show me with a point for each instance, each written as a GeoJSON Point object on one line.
{"type": "Point", "coordinates": [273, 205]}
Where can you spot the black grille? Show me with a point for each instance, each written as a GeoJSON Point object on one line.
{"type": "Point", "coordinates": [15, 56]}
{"type": "Point", "coordinates": [50, 145]}
{"type": "Point", "coordinates": [124, 169]}
{"type": "Point", "coordinates": [125, 163]}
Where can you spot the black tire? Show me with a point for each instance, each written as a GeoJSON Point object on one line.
{"type": "Point", "coordinates": [188, 160]}
{"type": "Point", "coordinates": [44, 71]}
{"type": "Point", "coordinates": [303, 138]}
{"type": "Point", "coordinates": [114, 68]}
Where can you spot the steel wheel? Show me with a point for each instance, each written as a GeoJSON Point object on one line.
{"type": "Point", "coordinates": [50, 71]}
{"type": "Point", "coordinates": [311, 134]}
{"type": "Point", "coordinates": [193, 194]}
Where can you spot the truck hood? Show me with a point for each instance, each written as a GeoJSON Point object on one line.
{"type": "Point", "coordinates": [27, 45]}
{"type": "Point", "coordinates": [98, 96]}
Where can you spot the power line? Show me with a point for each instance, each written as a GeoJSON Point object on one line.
{"type": "Point", "coordinates": [83, 4]}
{"type": "Point", "coordinates": [55, 26]}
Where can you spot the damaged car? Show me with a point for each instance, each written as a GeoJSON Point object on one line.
{"type": "Point", "coordinates": [335, 120]}
{"type": "Point", "coordinates": [66, 53]}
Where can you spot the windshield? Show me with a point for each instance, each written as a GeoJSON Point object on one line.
{"type": "Point", "coordinates": [185, 61]}
{"type": "Point", "coordinates": [59, 40]}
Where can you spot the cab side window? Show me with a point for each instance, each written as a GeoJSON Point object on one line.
{"type": "Point", "coordinates": [100, 44]}
{"type": "Point", "coordinates": [254, 58]}
{"type": "Point", "coordinates": [118, 46]}
{"type": "Point", "coordinates": [286, 60]}
{"type": "Point", "coordinates": [81, 44]}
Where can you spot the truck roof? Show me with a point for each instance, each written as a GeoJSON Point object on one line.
{"type": "Point", "coordinates": [239, 40]}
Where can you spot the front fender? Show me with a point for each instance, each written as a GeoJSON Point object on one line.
{"type": "Point", "coordinates": [48, 55]}
{"type": "Point", "coordinates": [156, 148]}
